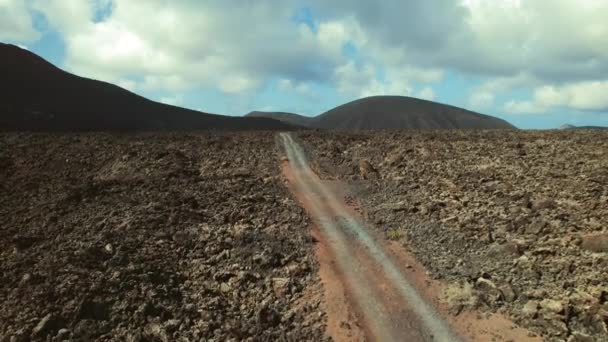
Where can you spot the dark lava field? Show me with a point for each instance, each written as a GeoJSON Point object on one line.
{"type": "Point", "coordinates": [516, 221]}
{"type": "Point", "coordinates": [152, 237]}
{"type": "Point", "coordinates": [194, 236]}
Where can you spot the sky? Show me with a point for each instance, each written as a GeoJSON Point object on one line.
{"type": "Point", "coordinates": [535, 63]}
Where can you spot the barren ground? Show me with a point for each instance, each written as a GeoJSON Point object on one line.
{"type": "Point", "coordinates": [162, 237]}
{"type": "Point", "coordinates": [176, 237]}
{"type": "Point", "coordinates": [514, 222]}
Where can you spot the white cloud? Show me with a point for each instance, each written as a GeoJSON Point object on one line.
{"type": "Point", "coordinates": [303, 89]}
{"type": "Point", "coordinates": [333, 34]}
{"type": "Point", "coordinates": [523, 107]}
{"type": "Point", "coordinates": [66, 15]}
{"type": "Point", "coordinates": [16, 22]}
{"type": "Point", "coordinates": [426, 93]}
{"type": "Point", "coordinates": [481, 99]}
{"type": "Point", "coordinates": [589, 96]}
{"type": "Point", "coordinates": [230, 45]}
{"type": "Point", "coordinates": [553, 41]}
{"type": "Point", "coordinates": [350, 78]}
{"type": "Point", "coordinates": [484, 96]}
{"type": "Point", "coordinates": [556, 49]}
{"type": "Point", "coordinates": [175, 100]}
{"type": "Point", "coordinates": [559, 40]}
{"type": "Point", "coordinates": [362, 81]}
{"type": "Point", "coordinates": [238, 83]}
{"type": "Point", "coordinates": [127, 84]}
{"type": "Point", "coordinates": [580, 96]}
{"type": "Point", "coordinates": [232, 48]}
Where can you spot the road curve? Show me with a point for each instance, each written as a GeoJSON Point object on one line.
{"type": "Point", "coordinates": [387, 305]}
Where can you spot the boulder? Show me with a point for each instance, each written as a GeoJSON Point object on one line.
{"type": "Point", "coordinates": [552, 305]}
{"type": "Point", "coordinates": [597, 243]}
{"type": "Point", "coordinates": [530, 309]}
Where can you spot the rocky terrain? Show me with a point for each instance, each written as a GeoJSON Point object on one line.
{"type": "Point", "coordinates": [192, 236]}
{"type": "Point", "coordinates": [152, 237]}
{"type": "Point", "coordinates": [515, 222]}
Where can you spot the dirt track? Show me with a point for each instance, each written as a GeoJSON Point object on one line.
{"type": "Point", "coordinates": [388, 299]}
{"type": "Point", "coordinates": [514, 222]}
{"type": "Point", "coordinates": [376, 285]}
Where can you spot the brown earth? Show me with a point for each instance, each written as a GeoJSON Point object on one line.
{"type": "Point", "coordinates": [155, 237]}
{"type": "Point", "coordinates": [514, 221]}
{"type": "Point", "coordinates": [342, 322]}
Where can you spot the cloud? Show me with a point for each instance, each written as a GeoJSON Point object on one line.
{"type": "Point", "coordinates": [481, 99]}
{"type": "Point", "coordinates": [363, 80]}
{"type": "Point", "coordinates": [303, 89]}
{"type": "Point", "coordinates": [191, 43]}
{"type": "Point", "coordinates": [553, 50]}
{"type": "Point", "coordinates": [426, 93]}
{"type": "Point", "coordinates": [554, 41]}
{"type": "Point", "coordinates": [484, 96]}
{"type": "Point", "coordinates": [16, 22]}
{"type": "Point", "coordinates": [523, 107]}
{"type": "Point", "coordinates": [232, 48]}
{"type": "Point", "coordinates": [175, 100]}
{"type": "Point", "coordinates": [127, 84]}
{"type": "Point", "coordinates": [580, 96]}
{"type": "Point", "coordinates": [587, 96]}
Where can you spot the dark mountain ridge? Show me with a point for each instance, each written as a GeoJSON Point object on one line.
{"type": "Point", "coordinates": [289, 118]}
{"type": "Point", "coordinates": [394, 112]}
{"type": "Point", "coordinates": [37, 96]}
{"type": "Point", "coordinates": [572, 127]}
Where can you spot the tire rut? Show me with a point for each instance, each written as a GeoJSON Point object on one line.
{"type": "Point", "coordinates": [387, 305]}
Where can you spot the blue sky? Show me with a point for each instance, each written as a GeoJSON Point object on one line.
{"type": "Point", "coordinates": [233, 57]}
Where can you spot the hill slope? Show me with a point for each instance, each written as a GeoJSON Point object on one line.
{"type": "Point", "coordinates": [35, 95]}
{"type": "Point", "coordinates": [288, 118]}
{"type": "Point", "coordinates": [400, 112]}
{"type": "Point", "coordinates": [572, 127]}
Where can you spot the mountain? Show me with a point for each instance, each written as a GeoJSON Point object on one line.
{"type": "Point", "coordinates": [391, 112]}
{"type": "Point", "coordinates": [37, 96]}
{"type": "Point", "coordinates": [569, 127]}
{"type": "Point", "coordinates": [288, 118]}
{"type": "Point", "coordinates": [400, 112]}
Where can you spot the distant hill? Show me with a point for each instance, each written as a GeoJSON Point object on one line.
{"type": "Point", "coordinates": [400, 112]}
{"type": "Point", "coordinates": [391, 112]}
{"type": "Point", "coordinates": [289, 118]}
{"type": "Point", "coordinates": [37, 96]}
{"type": "Point", "coordinates": [568, 127]}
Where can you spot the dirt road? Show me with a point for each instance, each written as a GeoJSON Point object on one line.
{"type": "Point", "coordinates": [387, 306]}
